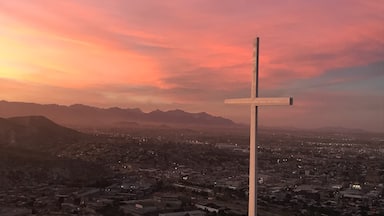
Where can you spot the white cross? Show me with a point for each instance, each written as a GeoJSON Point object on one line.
{"type": "Point", "coordinates": [255, 101]}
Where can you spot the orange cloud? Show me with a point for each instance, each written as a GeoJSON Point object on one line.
{"type": "Point", "coordinates": [190, 52]}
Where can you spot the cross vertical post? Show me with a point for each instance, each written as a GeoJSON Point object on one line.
{"type": "Point", "coordinates": [255, 101]}
{"type": "Point", "coordinates": [252, 201]}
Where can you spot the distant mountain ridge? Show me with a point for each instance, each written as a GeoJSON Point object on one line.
{"type": "Point", "coordinates": [83, 115]}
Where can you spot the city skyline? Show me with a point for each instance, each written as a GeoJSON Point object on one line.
{"type": "Point", "coordinates": [192, 55]}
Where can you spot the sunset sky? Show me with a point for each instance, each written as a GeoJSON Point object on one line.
{"type": "Point", "coordinates": [191, 55]}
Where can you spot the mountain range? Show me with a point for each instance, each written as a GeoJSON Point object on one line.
{"type": "Point", "coordinates": [79, 115]}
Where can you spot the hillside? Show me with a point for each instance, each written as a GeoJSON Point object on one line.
{"type": "Point", "coordinates": [27, 146]}
{"type": "Point", "coordinates": [35, 132]}
{"type": "Point", "coordinates": [27, 167]}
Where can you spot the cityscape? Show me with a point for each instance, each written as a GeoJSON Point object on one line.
{"type": "Point", "coordinates": [158, 170]}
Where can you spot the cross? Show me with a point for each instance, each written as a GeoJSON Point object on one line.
{"type": "Point", "coordinates": [255, 102]}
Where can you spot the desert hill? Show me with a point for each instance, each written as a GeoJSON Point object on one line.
{"type": "Point", "coordinates": [35, 132]}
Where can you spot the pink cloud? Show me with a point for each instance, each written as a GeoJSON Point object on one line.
{"type": "Point", "coordinates": [183, 52]}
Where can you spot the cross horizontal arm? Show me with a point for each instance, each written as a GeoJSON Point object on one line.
{"type": "Point", "coordinates": [261, 101]}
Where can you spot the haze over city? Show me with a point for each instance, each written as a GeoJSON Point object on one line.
{"type": "Point", "coordinates": [192, 55]}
